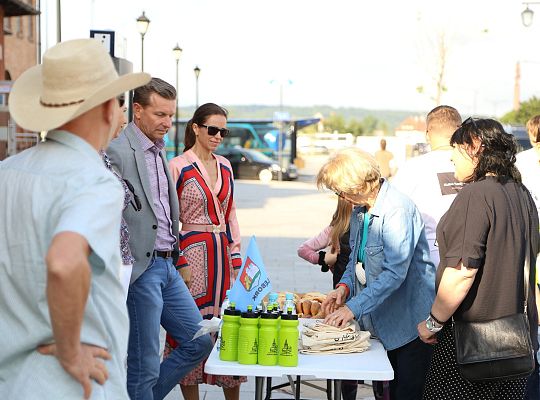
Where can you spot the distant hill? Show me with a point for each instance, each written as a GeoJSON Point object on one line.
{"type": "Point", "coordinates": [391, 117]}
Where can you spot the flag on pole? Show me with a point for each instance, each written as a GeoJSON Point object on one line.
{"type": "Point", "coordinates": [252, 283]}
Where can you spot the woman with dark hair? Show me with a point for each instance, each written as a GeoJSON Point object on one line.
{"type": "Point", "coordinates": [209, 236]}
{"type": "Point", "coordinates": [129, 197]}
{"type": "Point", "coordinates": [482, 241]}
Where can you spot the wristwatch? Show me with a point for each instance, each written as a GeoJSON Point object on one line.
{"type": "Point", "coordinates": [432, 325]}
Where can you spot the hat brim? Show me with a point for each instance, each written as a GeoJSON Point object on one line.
{"type": "Point", "coordinates": [28, 112]}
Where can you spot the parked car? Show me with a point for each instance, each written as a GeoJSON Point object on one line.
{"type": "Point", "coordinates": [521, 135]}
{"type": "Point", "coordinates": [252, 164]}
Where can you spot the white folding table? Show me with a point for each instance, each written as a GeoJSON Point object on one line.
{"type": "Point", "coordinates": [371, 365]}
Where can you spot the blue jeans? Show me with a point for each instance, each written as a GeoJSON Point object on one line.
{"type": "Point", "coordinates": [160, 296]}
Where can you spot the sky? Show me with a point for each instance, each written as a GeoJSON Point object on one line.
{"type": "Point", "coordinates": [341, 53]}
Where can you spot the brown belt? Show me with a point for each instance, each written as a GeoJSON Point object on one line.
{"type": "Point", "coordinates": [163, 254]}
{"type": "Point", "coordinates": [204, 228]}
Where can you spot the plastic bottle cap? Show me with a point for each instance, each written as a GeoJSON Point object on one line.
{"type": "Point", "coordinates": [289, 296]}
{"type": "Point", "coordinates": [289, 317]}
{"type": "Point", "coordinates": [269, 315]}
{"type": "Point", "coordinates": [250, 314]}
{"type": "Point", "coordinates": [227, 292]}
{"type": "Point", "coordinates": [232, 311]}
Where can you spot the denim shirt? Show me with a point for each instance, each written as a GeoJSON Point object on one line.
{"type": "Point", "coordinates": [400, 286]}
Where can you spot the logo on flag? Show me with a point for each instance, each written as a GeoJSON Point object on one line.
{"type": "Point", "coordinates": [252, 283]}
{"type": "Point", "coordinates": [250, 274]}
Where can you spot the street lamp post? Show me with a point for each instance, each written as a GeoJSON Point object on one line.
{"type": "Point", "coordinates": [528, 14]}
{"type": "Point", "coordinates": [282, 117]}
{"type": "Point", "coordinates": [197, 71]}
{"type": "Point", "coordinates": [177, 51]}
{"type": "Point", "coordinates": [142, 26]}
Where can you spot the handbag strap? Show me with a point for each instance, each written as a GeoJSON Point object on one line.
{"type": "Point", "coordinates": [528, 250]}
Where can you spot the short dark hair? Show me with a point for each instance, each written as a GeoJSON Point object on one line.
{"type": "Point", "coordinates": [497, 154]}
{"type": "Point", "coordinates": [443, 119]}
{"type": "Point", "coordinates": [142, 94]}
{"type": "Point", "coordinates": [533, 128]}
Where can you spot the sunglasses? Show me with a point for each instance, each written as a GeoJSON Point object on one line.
{"type": "Point", "coordinates": [213, 130]}
{"type": "Point", "coordinates": [339, 194]}
{"type": "Point", "coordinates": [135, 202]}
{"type": "Point", "coordinates": [121, 100]}
{"type": "Point", "coordinates": [469, 121]}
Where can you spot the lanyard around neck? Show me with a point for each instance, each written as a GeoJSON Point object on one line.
{"type": "Point", "coordinates": [362, 251]}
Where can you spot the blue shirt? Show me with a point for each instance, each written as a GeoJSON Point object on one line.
{"type": "Point", "coordinates": [58, 186]}
{"type": "Point", "coordinates": [400, 276]}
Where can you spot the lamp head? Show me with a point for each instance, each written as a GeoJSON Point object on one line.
{"type": "Point", "coordinates": [142, 24]}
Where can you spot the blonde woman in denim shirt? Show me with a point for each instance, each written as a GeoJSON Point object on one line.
{"type": "Point", "coordinates": [392, 290]}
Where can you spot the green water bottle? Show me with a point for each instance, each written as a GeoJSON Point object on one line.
{"type": "Point", "coordinates": [248, 337]}
{"type": "Point", "coordinates": [288, 339]}
{"type": "Point", "coordinates": [228, 346]}
{"type": "Point", "coordinates": [268, 339]}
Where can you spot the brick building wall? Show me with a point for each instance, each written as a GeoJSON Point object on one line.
{"type": "Point", "coordinates": [20, 48]}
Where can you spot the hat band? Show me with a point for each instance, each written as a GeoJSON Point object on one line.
{"type": "Point", "coordinates": [60, 104]}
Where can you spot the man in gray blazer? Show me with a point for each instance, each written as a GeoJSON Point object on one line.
{"type": "Point", "coordinates": [157, 293]}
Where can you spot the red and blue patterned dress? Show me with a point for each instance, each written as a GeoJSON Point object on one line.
{"type": "Point", "coordinates": [212, 257]}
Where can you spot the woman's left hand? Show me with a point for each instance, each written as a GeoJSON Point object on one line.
{"type": "Point", "coordinates": [340, 317]}
{"type": "Point", "coordinates": [425, 335]}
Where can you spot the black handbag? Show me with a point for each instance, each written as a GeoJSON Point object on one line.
{"type": "Point", "coordinates": [498, 349]}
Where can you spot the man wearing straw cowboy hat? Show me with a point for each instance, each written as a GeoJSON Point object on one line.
{"type": "Point", "coordinates": [64, 325]}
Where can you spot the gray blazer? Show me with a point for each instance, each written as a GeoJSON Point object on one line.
{"type": "Point", "coordinates": [127, 158]}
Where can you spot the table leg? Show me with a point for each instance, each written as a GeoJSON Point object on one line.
{"type": "Point", "coordinates": [259, 383]}
{"type": "Point", "coordinates": [329, 389]}
{"type": "Point", "coordinates": [337, 389]}
{"type": "Point", "coordinates": [297, 391]}
{"type": "Point", "coordinates": [268, 388]}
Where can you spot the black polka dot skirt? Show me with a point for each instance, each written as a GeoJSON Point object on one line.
{"type": "Point", "coordinates": [444, 381]}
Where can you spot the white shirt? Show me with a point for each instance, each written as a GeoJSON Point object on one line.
{"type": "Point", "coordinates": [429, 181]}
{"type": "Point", "coordinates": [528, 163]}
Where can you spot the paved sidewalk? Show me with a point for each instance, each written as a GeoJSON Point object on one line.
{"type": "Point", "coordinates": [282, 215]}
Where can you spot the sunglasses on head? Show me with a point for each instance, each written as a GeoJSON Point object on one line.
{"type": "Point", "coordinates": [136, 202]}
{"type": "Point", "coordinates": [213, 130]}
{"type": "Point", "coordinates": [469, 121]}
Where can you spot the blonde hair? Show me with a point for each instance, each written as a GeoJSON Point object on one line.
{"type": "Point", "coordinates": [340, 222]}
{"type": "Point", "coordinates": [350, 171]}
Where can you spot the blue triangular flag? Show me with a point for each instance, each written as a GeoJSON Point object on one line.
{"type": "Point", "coordinates": [252, 283]}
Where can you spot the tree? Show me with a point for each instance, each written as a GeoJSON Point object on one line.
{"type": "Point", "coordinates": [527, 110]}
{"type": "Point", "coordinates": [335, 122]}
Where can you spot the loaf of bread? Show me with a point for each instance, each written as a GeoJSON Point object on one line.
{"type": "Point", "coordinates": [306, 307]}
{"type": "Point", "coordinates": [315, 307]}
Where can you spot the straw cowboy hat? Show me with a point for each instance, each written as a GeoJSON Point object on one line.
{"type": "Point", "coordinates": [75, 76]}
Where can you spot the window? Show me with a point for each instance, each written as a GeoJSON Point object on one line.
{"type": "Point", "coordinates": [31, 28]}
{"type": "Point", "coordinates": [7, 25]}
{"type": "Point", "coordinates": [18, 26]}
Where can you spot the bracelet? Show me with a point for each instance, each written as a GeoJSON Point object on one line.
{"type": "Point", "coordinates": [435, 319]}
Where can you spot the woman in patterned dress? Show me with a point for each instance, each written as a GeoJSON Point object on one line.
{"type": "Point", "coordinates": [209, 237]}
